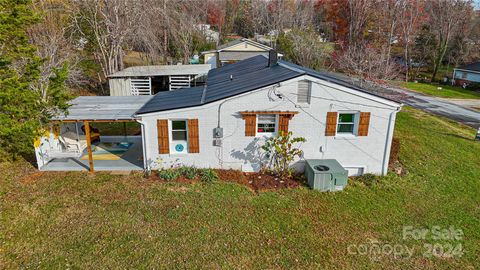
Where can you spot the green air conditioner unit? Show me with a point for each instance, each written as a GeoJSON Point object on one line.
{"type": "Point", "coordinates": [325, 174]}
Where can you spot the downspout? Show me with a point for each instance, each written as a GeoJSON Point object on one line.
{"type": "Point", "coordinates": [388, 142]}
{"type": "Point", "coordinates": [146, 167]}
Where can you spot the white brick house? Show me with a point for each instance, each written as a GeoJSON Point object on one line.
{"type": "Point", "coordinates": [305, 98]}
{"type": "Point", "coordinates": [224, 123]}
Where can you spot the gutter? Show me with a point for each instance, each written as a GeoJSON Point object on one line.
{"type": "Point", "coordinates": [144, 145]}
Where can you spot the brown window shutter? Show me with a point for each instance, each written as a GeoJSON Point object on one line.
{"type": "Point", "coordinates": [331, 125]}
{"type": "Point", "coordinates": [162, 133]}
{"type": "Point", "coordinates": [250, 125]}
{"type": "Point", "coordinates": [193, 141]}
{"type": "Point", "coordinates": [364, 124]}
{"type": "Point", "coordinates": [283, 121]}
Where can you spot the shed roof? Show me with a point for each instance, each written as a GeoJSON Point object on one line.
{"type": "Point", "coordinates": [475, 66]}
{"type": "Point", "coordinates": [164, 70]}
{"type": "Point", "coordinates": [234, 79]}
{"type": "Point", "coordinates": [103, 108]}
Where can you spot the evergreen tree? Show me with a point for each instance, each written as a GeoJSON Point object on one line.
{"type": "Point", "coordinates": [23, 111]}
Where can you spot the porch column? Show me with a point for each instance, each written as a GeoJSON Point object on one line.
{"type": "Point", "coordinates": [89, 145]}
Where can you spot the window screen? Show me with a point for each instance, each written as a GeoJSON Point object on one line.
{"type": "Point", "coordinates": [266, 123]}
{"type": "Point", "coordinates": [346, 123]}
{"type": "Point", "coordinates": [303, 93]}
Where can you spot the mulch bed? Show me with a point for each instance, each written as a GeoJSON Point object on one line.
{"type": "Point", "coordinates": [394, 163]}
{"type": "Point", "coordinates": [259, 181]}
{"type": "Point", "coordinates": [254, 181]}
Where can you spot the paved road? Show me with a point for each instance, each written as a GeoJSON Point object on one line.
{"type": "Point", "coordinates": [433, 105]}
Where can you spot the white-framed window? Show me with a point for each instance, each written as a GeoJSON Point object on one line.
{"type": "Point", "coordinates": [347, 122]}
{"type": "Point", "coordinates": [266, 124]}
{"type": "Point", "coordinates": [178, 137]}
{"type": "Point", "coordinates": [464, 75]}
{"type": "Point", "coordinates": [304, 92]}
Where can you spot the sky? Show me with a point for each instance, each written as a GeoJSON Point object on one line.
{"type": "Point", "coordinates": [477, 4]}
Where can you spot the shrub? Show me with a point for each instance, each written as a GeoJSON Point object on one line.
{"type": "Point", "coordinates": [169, 174]}
{"type": "Point", "coordinates": [189, 172]}
{"type": "Point", "coordinates": [208, 175]}
{"type": "Point", "coordinates": [368, 179]}
{"type": "Point", "coordinates": [281, 150]}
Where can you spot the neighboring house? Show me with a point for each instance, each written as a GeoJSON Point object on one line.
{"type": "Point", "coordinates": [467, 74]}
{"type": "Point", "coordinates": [234, 51]}
{"type": "Point", "coordinates": [224, 123]}
{"type": "Point", "coordinates": [149, 80]}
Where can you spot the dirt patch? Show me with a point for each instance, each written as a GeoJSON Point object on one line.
{"type": "Point", "coordinates": [394, 151]}
{"type": "Point", "coordinates": [31, 177]}
{"type": "Point", "coordinates": [264, 182]}
{"type": "Point", "coordinates": [394, 163]}
{"type": "Point", "coordinates": [259, 181]}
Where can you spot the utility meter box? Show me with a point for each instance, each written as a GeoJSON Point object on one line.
{"type": "Point", "coordinates": [326, 174]}
{"type": "Point", "coordinates": [218, 132]}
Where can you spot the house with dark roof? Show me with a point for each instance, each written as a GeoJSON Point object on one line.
{"type": "Point", "coordinates": [234, 51]}
{"type": "Point", "coordinates": [467, 74]}
{"type": "Point", "coordinates": [224, 123]}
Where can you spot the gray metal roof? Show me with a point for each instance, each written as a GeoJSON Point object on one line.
{"type": "Point", "coordinates": [234, 79]}
{"type": "Point", "coordinates": [165, 70]}
{"type": "Point", "coordinates": [104, 108]}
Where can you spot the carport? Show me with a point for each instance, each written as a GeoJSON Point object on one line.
{"type": "Point", "coordinates": [72, 144]}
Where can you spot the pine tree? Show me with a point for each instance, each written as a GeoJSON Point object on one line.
{"type": "Point", "coordinates": [23, 112]}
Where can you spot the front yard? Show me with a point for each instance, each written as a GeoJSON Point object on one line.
{"type": "Point", "coordinates": [447, 91]}
{"type": "Point", "coordinates": [76, 220]}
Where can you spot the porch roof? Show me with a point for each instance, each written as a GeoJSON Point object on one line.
{"type": "Point", "coordinates": [103, 108]}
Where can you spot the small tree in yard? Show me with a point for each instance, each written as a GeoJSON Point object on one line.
{"type": "Point", "coordinates": [281, 150]}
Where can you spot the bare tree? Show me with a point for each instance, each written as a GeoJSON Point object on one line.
{"type": "Point", "coordinates": [411, 18]}
{"type": "Point", "coordinates": [57, 52]}
{"type": "Point", "coordinates": [366, 62]}
{"type": "Point", "coordinates": [359, 13]}
{"type": "Point", "coordinates": [107, 25]}
{"type": "Point", "coordinates": [446, 18]}
{"type": "Point", "coordinates": [307, 49]}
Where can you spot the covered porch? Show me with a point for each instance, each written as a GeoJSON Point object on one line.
{"type": "Point", "coordinates": [97, 134]}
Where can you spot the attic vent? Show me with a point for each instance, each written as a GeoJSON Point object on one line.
{"type": "Point", "coordinates": [304, 92]}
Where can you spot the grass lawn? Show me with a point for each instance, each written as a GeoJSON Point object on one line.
{"type": "Point", "coordinates": [446, 92]}
{"type": "Point", "coordinates": [75, 220]}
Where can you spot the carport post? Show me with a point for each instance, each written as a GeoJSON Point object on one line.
{"type": "Point", "coordinates": [89, 145]}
